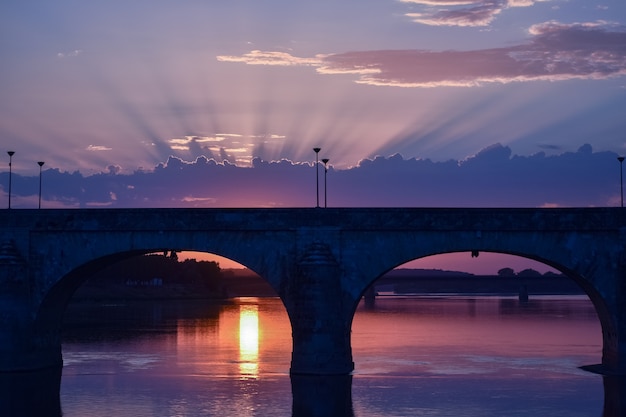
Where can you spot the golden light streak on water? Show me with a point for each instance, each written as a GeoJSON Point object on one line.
{"type": "Point", "coordinates": [249, 341]}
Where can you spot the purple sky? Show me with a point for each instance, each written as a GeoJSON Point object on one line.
{"type": "Point", "coordinates": [162, 103]}
{"type": "Point", "coordinates": [90, 84]}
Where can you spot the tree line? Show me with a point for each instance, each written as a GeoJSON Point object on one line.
{"type": "Point", "coordinates": [161, 270]}
{"type": "Point", "coordinates": [525, 273]}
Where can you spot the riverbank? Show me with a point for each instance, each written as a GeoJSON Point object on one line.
{"type": "Point", "coordinates": [245, 283]}
{"type": "Point", "coordinates": [411, 281]}
{"type": "Point", "coordinates": [232, 283]}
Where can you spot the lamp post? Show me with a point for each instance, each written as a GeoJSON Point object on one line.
{"type": "Point", "coordinates": [11, 153]}
{"type": "Point", "coordinates": [317, 177]}
{"type": "Point", "coordinates": [325, 161]}
{"type": "Point", "coordinates": [621, 179]}
{"type": "Point", "coordinates": [40, 163]}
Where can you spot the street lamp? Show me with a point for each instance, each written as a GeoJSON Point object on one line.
{"type": "Point", "coordinates": [40, 163]}
{"type": "Point", "coordinates": [11, 153]}
{"type": "Point", "coordinates": [621, 179]}
{"type": "Point", "coordinates": [325, 161]}
{"type": "Point", "coordinates": [317, 177]}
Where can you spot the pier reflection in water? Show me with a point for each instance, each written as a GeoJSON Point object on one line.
{"type": "Point", "coordinates": [461, 357]}
{"type": "Point", "coordinates": [36, 394]}
{"type": "Point", "coordinates": [31, 394]}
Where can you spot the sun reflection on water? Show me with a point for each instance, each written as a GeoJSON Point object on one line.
{"type": "Point", "coordinates": [249, 341]}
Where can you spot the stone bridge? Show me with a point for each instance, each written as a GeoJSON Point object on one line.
{"type": "Point", "coordinates": [320, 262]}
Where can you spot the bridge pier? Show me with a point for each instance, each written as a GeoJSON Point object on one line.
{"type": "Point", "coordinates": [614, 341]}
{"type": "Point", "coordinates": [608, 294]}
{"type": "Point", "coordinates": [23, 347]}
{"type": "Point", "coordinates": [320, 332]}
{"type": "Point", "coordinates": [336, 391]}
{"type": "Point", "coordinates": [34, 394]}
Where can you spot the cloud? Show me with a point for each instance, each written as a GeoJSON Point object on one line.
{"type": "Point", "coordinates": [555, 52]}
{"type": "Point", "coordinates": [257, 57]}
{"type": "Point", "coordinates": [202, 201]}
{"type": "Point", "coordinates": [441, 2]}
{"type": "Point", "coordinates": [70, 54]}
{"type": "Point", "coordinates": [474, 16]}
{"type": "Point", "coordinates": [98, 148]}
{"type": "Point", "coordinates": [462, 12]}
{"type": "Point", "coordinates": [114, 169]}
{"type": "Point", "coordinates": [493, 177]}
{"type": "Point", "coordinates": [233, 147]}
{"type": "Point", "coordinates": [188, 142]}
{"type": "Point", "coordinates": [549, 146]}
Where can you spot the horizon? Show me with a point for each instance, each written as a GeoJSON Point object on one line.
{"type": "Point", "coordinates": [488, 263]}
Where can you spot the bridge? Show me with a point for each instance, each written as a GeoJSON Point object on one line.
{"type": "Point", "coordinates": [319, 261]}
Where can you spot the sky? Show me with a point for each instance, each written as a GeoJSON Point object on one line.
{"type": "Point", "coordinates": [162, 103]}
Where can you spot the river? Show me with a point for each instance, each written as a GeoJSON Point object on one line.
{"type": "Point", "coordinates": [414, 356]}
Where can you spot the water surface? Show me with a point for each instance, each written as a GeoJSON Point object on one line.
{"type": "Point", "coordinates": [414, 356]}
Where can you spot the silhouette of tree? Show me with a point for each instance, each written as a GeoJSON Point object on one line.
{"type": "Point", "coordinates": [140, 269]}
{"type": "Point", "coordinates": [506, 272]}
{"type": "Point", "coordinates": [529, 272]}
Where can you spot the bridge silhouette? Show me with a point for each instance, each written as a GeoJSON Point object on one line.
{"type": "Point", "coordinates": [319, 261]}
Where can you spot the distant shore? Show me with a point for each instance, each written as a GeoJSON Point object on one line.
{"type": "Point", "coordinates": [245, 283]}
{"type": "Point", "coordinates": [407, 281]}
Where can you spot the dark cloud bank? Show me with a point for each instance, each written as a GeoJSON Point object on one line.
{"type": "Point", "coordinates": [492, 178]}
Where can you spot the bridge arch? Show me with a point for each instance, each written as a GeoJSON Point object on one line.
{"type": "Point", "coordinates": [584, 283]}
{"type": "Point", "coordinates": [49, 315]}
{"type": "Point", "coordinates": [65, 273]}
{"type": "Point", "coordinates": [553, 259]}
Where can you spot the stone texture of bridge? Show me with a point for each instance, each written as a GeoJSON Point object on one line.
{"type": "Point", "coordinates": [320, 262]}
